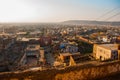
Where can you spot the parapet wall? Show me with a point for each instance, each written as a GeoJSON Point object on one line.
{"type": "Point", "coordinates": [86, 72]}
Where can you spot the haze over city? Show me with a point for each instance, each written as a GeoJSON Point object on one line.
{"type": "Point", "coordinates": [59, 39]}
{"type": "Point", "coordinates": [57, 10]}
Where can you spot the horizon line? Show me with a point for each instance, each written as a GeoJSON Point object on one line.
{"type": "Point", "coordinates": [58, 21]}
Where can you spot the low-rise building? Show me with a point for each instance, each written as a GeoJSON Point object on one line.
{"type": "Point", "coordinates": [42, 56]}
{"type": "Point", "coordinates": [69, 47]}
{"type": "Point", "coordinates": [33, 50]}
{"type": "Point", "coordinates": [69, 58]}
{"type": "Point", "coordinates": [104, 52]}
{"type": "Point", "coordinates": [5, 43]}
{"type": "Point", "coordinates": [35, 55]}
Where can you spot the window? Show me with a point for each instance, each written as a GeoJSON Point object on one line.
{"type": "Point", "coordinates": [100, 50]}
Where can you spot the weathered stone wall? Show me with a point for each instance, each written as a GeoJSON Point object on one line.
{"type": "Point", "coordinates": [86, 72]}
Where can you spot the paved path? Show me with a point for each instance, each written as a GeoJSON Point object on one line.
{"type": "Point", "coordinates": [49, 58]}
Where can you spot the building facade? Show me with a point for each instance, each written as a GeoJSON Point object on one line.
{"type": "Point", "coordinates": [104, 52]}
{"type": "Point", "coordinates": [33, 50]}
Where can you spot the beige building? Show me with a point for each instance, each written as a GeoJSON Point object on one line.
{"type": "Point", "coordinates": [106, 51]}
{"type": "Point", "coordinates": [70, 58]}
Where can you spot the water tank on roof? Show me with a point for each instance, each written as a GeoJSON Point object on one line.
{"type": "Point", "coordinates": [62, 46]}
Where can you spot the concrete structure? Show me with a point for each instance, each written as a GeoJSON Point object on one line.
{"type": "Point", "coordinates": [69, 47]}
{"type": "Point", "coordinates": [42, 56]}
{"type": "Point", "coordinates": [105, 39]}
{"type": "Point", "coordinates": [35, 55]}
{"type": "Point", "coordinates": [45, 41]}
{"type": "Point", "coordinates": [21, 34]}
{"type": "Point", "coordinates": [106, 51]}
{"type": "Point", "coordinates": [33, 50]}
{"type": "Point", "coordinates": [5, 43]}
{"type": "Point", "coordinates": [69, 58]}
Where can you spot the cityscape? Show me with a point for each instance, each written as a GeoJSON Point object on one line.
{"type": "Point", "coordinates": [72, 49]}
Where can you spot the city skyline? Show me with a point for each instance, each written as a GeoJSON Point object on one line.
{"type": "Point", "coordinates": [58, 10]}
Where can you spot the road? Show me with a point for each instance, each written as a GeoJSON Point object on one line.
{"type": "Point", "coordinates": [49, 58]}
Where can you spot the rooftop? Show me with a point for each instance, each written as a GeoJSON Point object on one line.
{"type": "Point", "coordinates": [33, 47]}
{"type": "Point", "coordinates": [110, 46]}
{"type": "Point", "coordinates": [69, 54]}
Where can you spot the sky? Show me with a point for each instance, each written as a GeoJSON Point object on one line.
{"type": "Point", "coordinates": [58, 10]}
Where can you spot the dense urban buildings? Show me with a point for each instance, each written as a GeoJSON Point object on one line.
{"type": "Point", "coordinates": [57, 46]}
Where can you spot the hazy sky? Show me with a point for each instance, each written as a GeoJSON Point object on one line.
{"type": "Point", "coordinates": [57, 10]}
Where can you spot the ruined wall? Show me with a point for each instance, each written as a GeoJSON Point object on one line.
{"type": "Point", "coordinates": [86, 72]}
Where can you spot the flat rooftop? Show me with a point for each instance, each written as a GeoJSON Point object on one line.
{"type": "Point", "coordinates": [33, 47]}
{"type": "Point", "coordinates": [69, 54]}
{"type": "Point", "coordinates": [109, 46]}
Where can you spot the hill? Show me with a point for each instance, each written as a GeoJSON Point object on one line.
{"type": "Point", "coordinates": [87, 22]}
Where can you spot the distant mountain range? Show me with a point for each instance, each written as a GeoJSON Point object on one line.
{"type": "Point", "coordinates": [87, 22]}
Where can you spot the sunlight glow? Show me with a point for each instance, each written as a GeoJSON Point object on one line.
{"type": "Point", "coordinates": [18, 11]}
